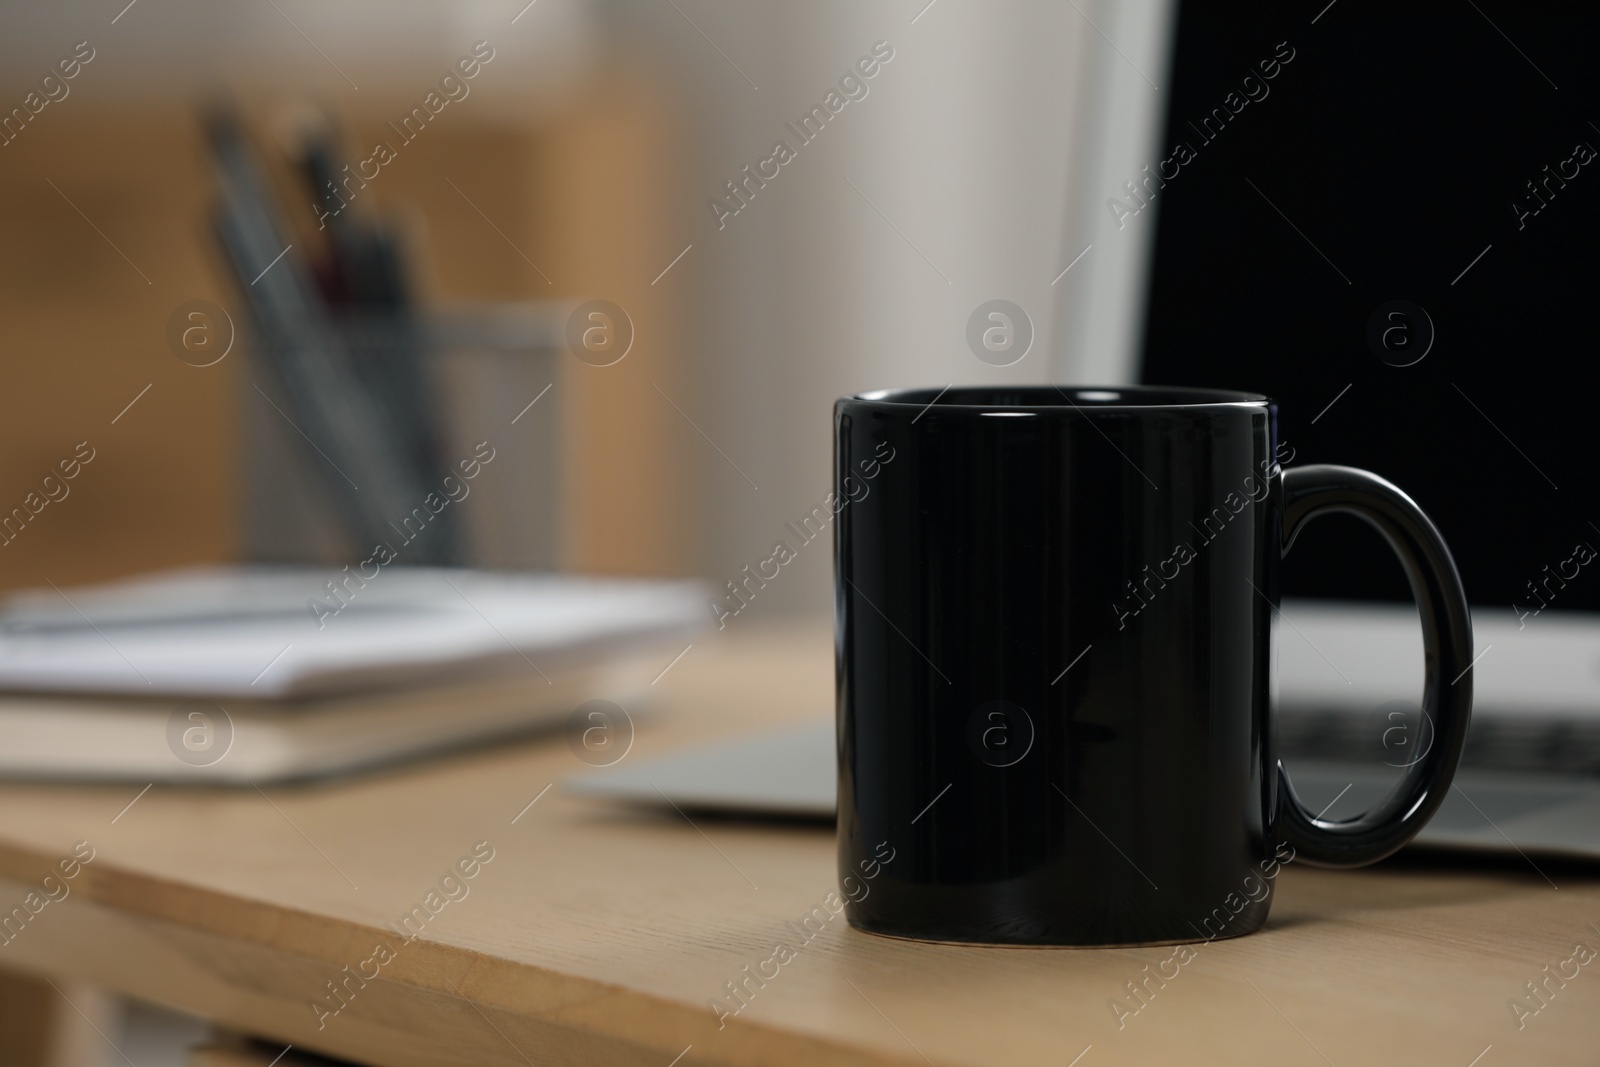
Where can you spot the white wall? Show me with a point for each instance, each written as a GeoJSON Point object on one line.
{"type": "Point", "coordinates": [962, 142]}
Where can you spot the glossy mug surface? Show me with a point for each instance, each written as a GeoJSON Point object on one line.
{"type": "Point", "coordinates": [1055, 611]}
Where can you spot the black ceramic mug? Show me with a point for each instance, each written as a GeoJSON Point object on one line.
{"type": "Point", "coordinates": [1055, 613]}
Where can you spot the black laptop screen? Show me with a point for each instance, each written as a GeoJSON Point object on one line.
{"type": "Point", "coordinates": [1387, 220]}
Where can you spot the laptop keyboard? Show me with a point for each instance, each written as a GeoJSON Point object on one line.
{"type": "Point", "coordinates": [1562, 745]}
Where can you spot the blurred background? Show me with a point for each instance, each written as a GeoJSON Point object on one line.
{"type": "Point", "coordinates": [579, 165]}
{"type": "Point", "coordinates": [597, 153]}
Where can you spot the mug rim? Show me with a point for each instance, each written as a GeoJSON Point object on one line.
{"type": "Point", "coordinates": [1083, 399]}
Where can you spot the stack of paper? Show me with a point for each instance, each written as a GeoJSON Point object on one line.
{"type": "Point", "coordinates": [290, 672]}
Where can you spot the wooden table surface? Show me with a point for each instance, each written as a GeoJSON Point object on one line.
{"type": "Point", "coordinates": [599, 936]}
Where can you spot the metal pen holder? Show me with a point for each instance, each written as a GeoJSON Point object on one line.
{"type": "Point", "coordinates": [483, 366]}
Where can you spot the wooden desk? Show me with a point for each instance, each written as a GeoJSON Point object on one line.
{"type": "Point", "coordinates": [597, 937]}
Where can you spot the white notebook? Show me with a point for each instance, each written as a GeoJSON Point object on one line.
{"type": "Point", "coordinates": [264, 632]}
{"type": "Point", "coordinates": [253, 674]}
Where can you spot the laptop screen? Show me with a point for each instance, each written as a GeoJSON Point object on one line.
{"type": "Point", "coordinates": [1387, 219]}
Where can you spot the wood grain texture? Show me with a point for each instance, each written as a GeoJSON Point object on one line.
{"type": "Point", "coordinates": [598, 936]}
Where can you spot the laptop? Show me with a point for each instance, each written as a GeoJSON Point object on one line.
{"type": "Point", "coordinates": [1379, 218]}
{"type": "Point", "coordinates": [1398, 334]}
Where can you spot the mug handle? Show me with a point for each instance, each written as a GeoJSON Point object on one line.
{"type": "Point", "coordinates": [1316, 490]}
